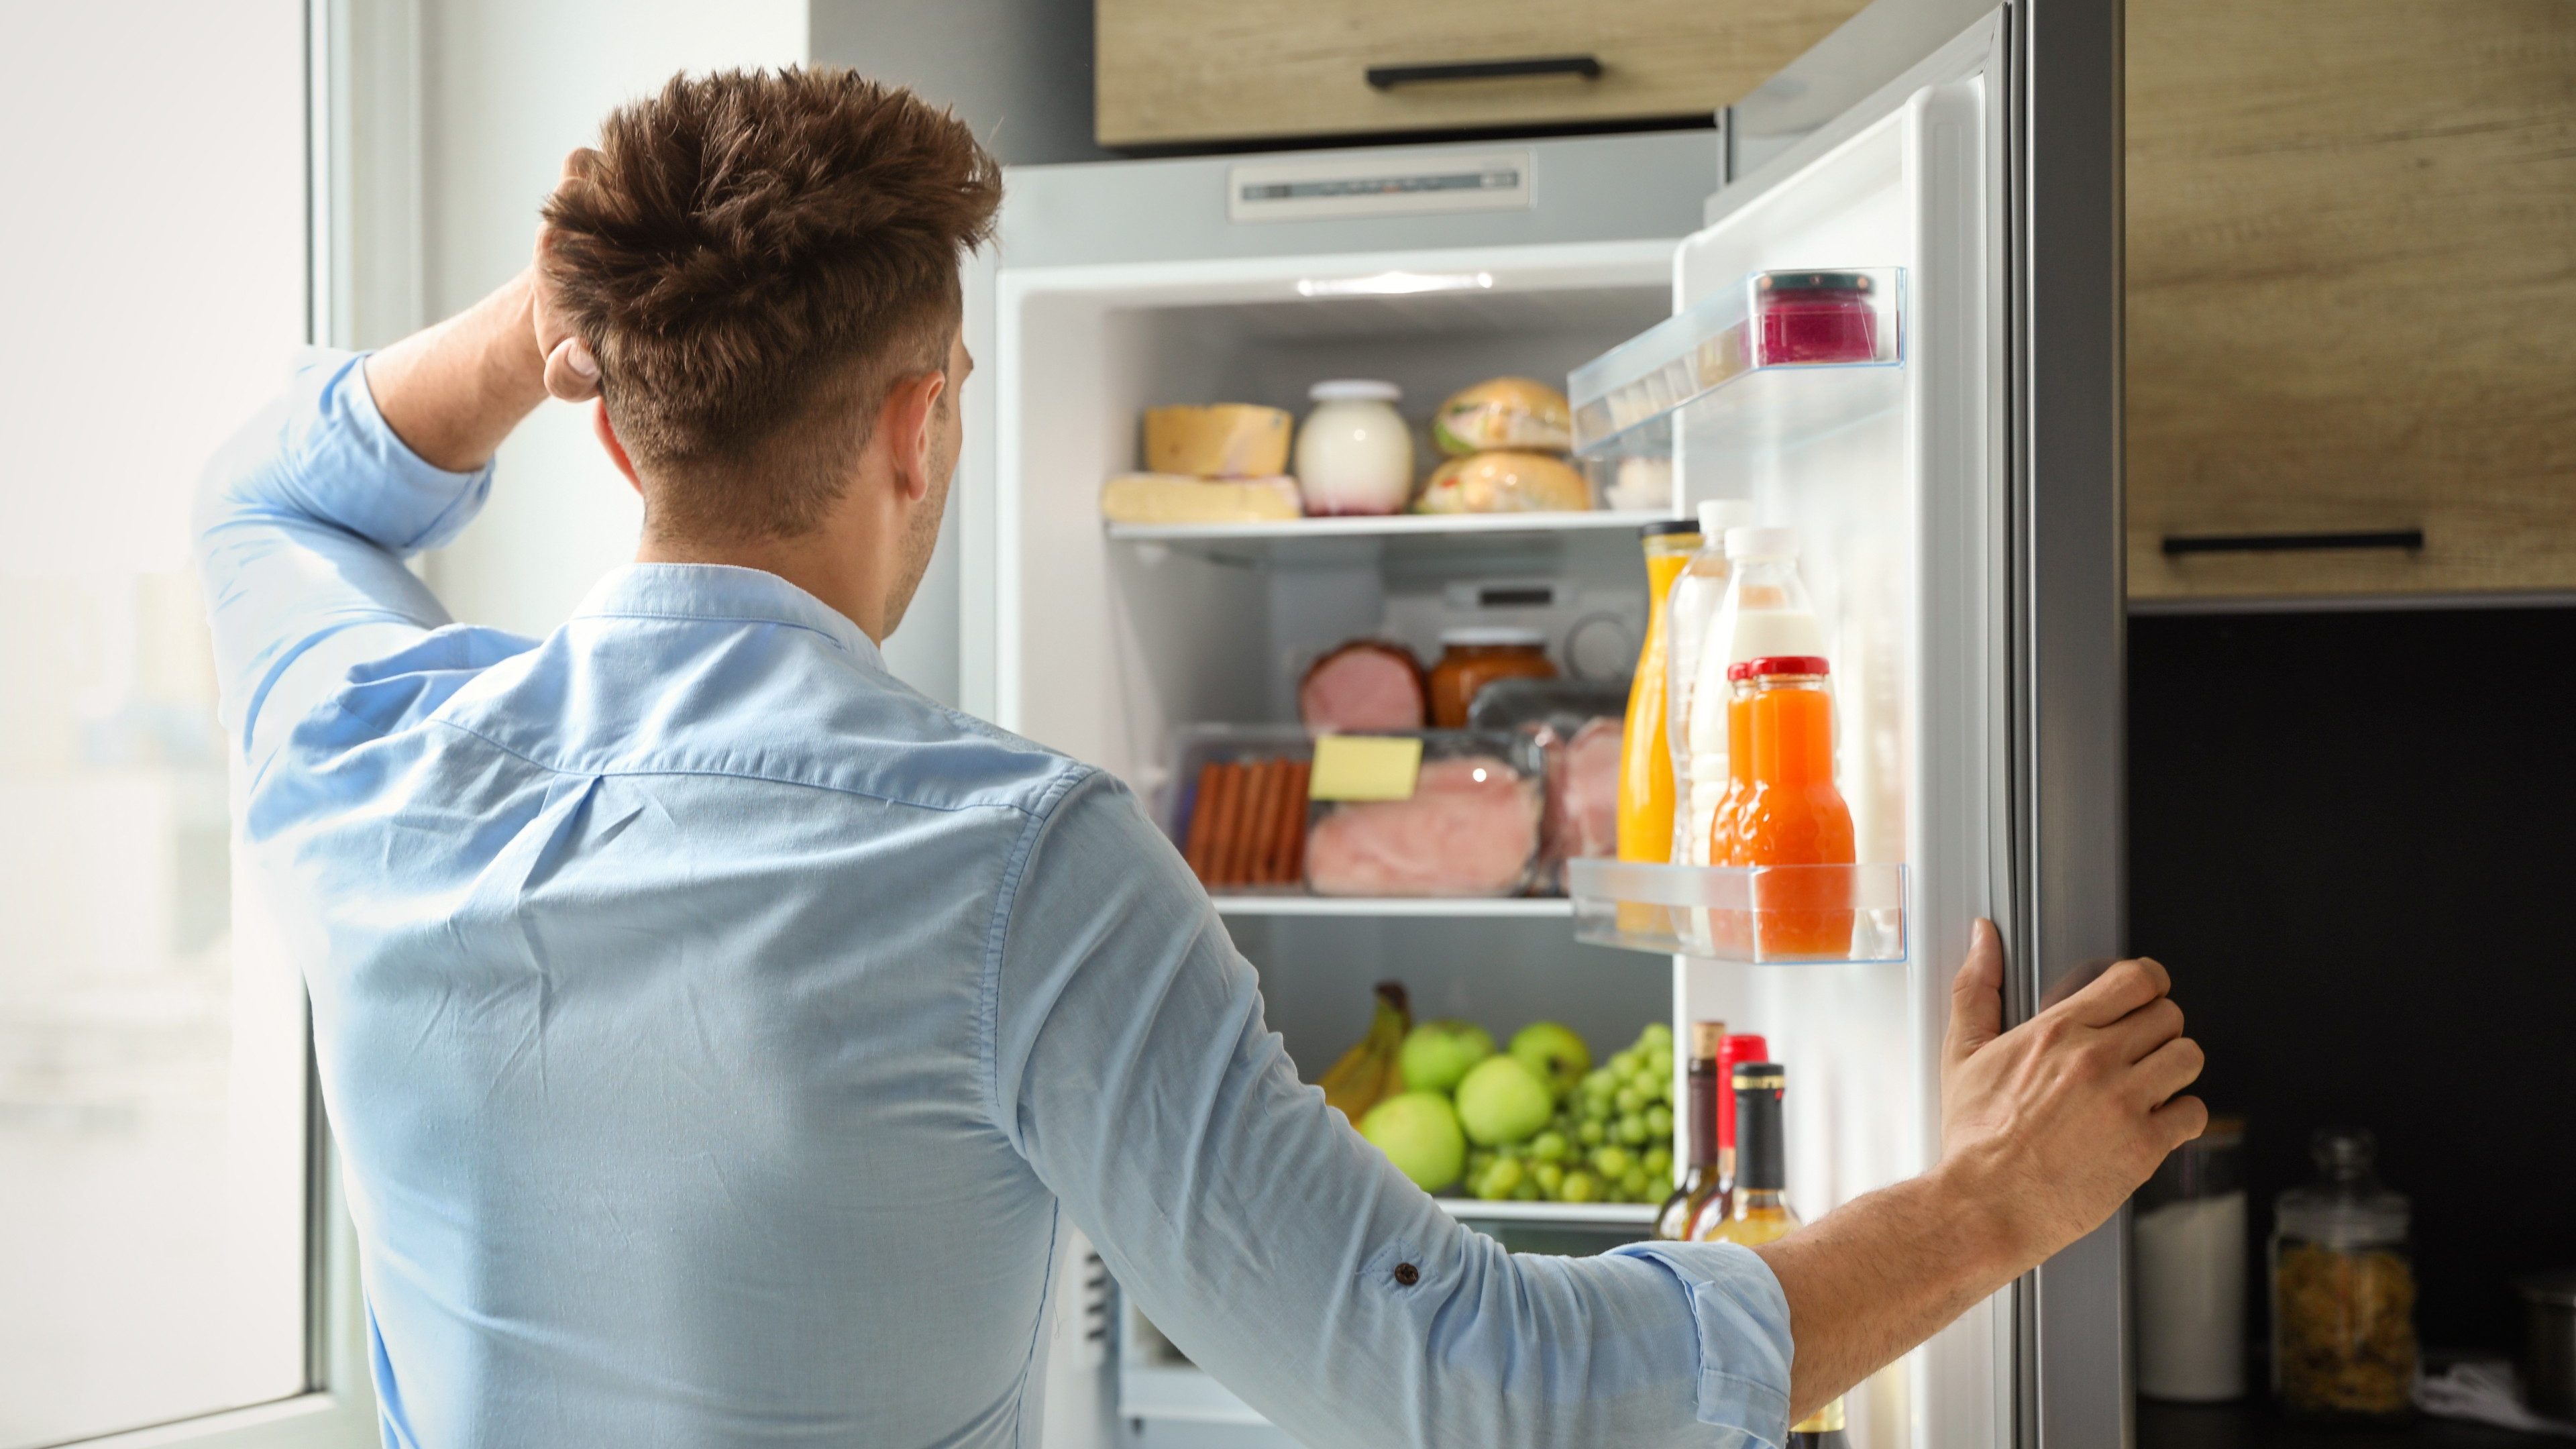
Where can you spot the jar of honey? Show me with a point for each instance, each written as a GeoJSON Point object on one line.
{"type": "Point", "coordinates": [1470, 659]}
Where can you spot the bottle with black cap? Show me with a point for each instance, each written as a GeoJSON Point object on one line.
{"type": "Point", "coordinates": [1682, 1209]}
{"type": "Point", "coordinates": [1761, 1213]}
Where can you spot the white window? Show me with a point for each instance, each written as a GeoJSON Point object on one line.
{"type": "Point", "coordinates": [159, 1258]}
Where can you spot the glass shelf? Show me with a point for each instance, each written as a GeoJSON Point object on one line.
{"type": "Point", "coordinates": [1780, 914]}
{"type": "Point", "coordinates": [1750, 369]}
{"type": "Point", "coordinates": [1600, 1214]}
{"type": "Point", "coordinates": [1471, 537]}
{"type": "Point", "coordinates": [1244, 903]}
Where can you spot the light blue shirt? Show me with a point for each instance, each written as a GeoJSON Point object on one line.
{"type": "Point", "coordinates": [717, 1034]}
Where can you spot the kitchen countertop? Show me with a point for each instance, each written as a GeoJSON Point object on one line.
{"type": "Point", "coordinates": [2257, 1425]}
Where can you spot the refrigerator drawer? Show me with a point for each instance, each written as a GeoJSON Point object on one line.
{"type": "Point", "coordinates": [1181, 71]}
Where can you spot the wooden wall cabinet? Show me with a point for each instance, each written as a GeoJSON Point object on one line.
{"type": "Point", "coordinates": [1199, 72]}
{"type": "Point", "coordinates": [2352, 293]}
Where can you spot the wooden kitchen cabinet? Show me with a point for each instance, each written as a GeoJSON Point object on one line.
{"type": "Point", "coordinates": [1192, 72]}
{"type": "Point", "coordinates": [2352, 293]}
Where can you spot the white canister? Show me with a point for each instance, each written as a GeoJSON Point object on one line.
{"type": "Point", "coordinates": [1354, 452]}
{"type": "Point", "coordinates": [2188, 1270]}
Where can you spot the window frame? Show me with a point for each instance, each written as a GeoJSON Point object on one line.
{"type": "Point", "coordinates": [362, 285]}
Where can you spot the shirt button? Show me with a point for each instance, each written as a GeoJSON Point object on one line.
{"type": "Point", "coordinates": [1407, 1274]}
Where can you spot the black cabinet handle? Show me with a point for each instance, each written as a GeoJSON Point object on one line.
{"type": "Point", "coordinates": [2176, 545]}
{"type": "Point", "coordinates": [1388, 77]}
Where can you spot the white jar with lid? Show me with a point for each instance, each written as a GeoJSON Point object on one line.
{"type": "Point", "coordinates": [1354, 452]}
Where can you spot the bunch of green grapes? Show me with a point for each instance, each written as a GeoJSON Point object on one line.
{"type": "Point", "coordinates": [1611, 1141]}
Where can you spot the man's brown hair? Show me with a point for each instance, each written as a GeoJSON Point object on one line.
{"type": "Point", "coordinates": [754, 258]}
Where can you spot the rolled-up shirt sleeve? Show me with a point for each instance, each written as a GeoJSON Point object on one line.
{"type": "Point", "coordinates": [303, 520]}
{"type": "Point", "coordinates": [1130, 1065]}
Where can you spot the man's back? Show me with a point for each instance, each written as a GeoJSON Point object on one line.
{"type": "Point", "coordinates": [713, 1030]}
{"type": "Point", "coordinates": [659, 958]}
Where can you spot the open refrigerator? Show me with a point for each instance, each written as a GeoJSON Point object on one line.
{"type": "Point", "coordinates": [1956, 493]}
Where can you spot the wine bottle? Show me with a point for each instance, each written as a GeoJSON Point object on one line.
{"type": "Point", "coordinates": [1759, 1211]}
{"type": "Point", "coordinates": [1700, 1183]}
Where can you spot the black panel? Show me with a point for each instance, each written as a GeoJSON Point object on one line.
{"type": "Point", "coordinates": [2350, 841]}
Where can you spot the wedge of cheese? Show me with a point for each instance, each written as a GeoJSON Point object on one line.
{"type": "Point", "coordinates": [1227, 440]}
{"type": "Point", "coordinates": [1168, 498]}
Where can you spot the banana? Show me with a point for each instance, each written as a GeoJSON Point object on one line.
{"type": "Point", "coordinates": [1367, 1074]}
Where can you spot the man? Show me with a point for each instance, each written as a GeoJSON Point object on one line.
{"type": "Point", "coordinates": [714, 1029]}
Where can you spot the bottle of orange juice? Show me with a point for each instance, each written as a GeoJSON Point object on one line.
{"type": "Point", "coordinates": [1645, 762]}
{"type": "Point", "coordinates": [1764, 611]}
{"type": "Point", "coordinates": [1795, 816]}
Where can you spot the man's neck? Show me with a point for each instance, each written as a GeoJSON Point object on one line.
{"type": "Point", "coordinates": [835, 575]}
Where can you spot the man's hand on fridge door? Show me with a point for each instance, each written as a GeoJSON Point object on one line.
{"type": "Point", "coordinates": [572, 373]}
{"type": "Point", "coordinates": [2048, 1127]}
{"type": "Point", "coordinates": [2044, 1129]}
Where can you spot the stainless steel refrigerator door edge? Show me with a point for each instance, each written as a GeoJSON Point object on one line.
{"type": "Point", "coordinates": [2069, 763]}
{"type": "Point", "coordinates": [1884, 46]}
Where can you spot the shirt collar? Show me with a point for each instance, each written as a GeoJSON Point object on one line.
{"type": "Point", "coordinates": [722, 592]}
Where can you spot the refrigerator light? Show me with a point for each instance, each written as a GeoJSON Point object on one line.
{"type": "Point", "coordinates": [1394, 284]}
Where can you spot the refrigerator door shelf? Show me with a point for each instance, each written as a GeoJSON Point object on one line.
{"type": "Point", "coordinates": [1769, 915]}
{"type": "Point", "coordinates": [1767, 365]}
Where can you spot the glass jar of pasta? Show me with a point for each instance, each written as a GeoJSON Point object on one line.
{"type": "Point", "coordinates": [2343, 1287]}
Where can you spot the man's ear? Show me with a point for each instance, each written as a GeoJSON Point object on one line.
{"type": "Point", "coordinates": [911, 406]}
{"type": "Point", "coordinates": [616, 450]}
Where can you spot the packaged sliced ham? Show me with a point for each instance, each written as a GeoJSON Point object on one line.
{"type": "Point", "coordinates": [1470, 827]}
{"type": "Point", "coordinates": [1362, 686]}
{"type": "Point", "coordinates": [1575, 725]}
{"type": "Point", "coordinates": [1583, 793]}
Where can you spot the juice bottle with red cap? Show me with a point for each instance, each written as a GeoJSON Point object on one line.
{"type": "Point", "coordinates": [1795, 816]}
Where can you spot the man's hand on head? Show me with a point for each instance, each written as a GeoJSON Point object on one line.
{"type": "Point", "coordinates": [572, 373]}
{"type": "Point", "coordinates": [2058, 1120]}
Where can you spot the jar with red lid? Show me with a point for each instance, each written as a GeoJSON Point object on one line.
{"type": "Point", "coordinates": [1814, 317]}
{"type": "Point", "coordinates": [1470, 659]}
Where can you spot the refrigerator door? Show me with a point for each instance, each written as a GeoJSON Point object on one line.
{"type": "Point", "coordinates": [1964, 553]}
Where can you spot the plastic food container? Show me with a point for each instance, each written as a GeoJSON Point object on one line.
{"type": "Point", "coordinates": [1472, 658]}
{"type": "Point", "coordinates": [1576, 725]}
{"type": "Point", "coordinates": [2343, 1287]}
{"type": "Point", "coordinates": [1470, 826]}
{"type": "Point", "coordinates": [1354, 451]}
{"type": "Point", "coordinates": [1236, 806]}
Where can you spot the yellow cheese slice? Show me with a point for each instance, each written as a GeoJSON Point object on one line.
{"type": "Point", "coordinates": [1365, 767]}
{"type": "Point", "coordinates": [1227, 440]}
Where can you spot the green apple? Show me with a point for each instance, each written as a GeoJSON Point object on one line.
{"type": "Point", "coordinates": [1552, 1050]}
{"type": "Point", "coordinates": [1418, 1132]}
{"type": "Point", "coordinates": [1437, 1054]}
{"type": "Point", "coordinates": [1502, 1100]}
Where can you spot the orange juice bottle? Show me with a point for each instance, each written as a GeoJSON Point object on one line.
{"type": "Point", "coordinates": [1795, 816]}
{"type": "Point", "coordinates": [1645, 761]}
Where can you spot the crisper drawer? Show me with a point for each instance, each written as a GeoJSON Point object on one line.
{"type": "Point", "coordinates": [1172, 72]}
